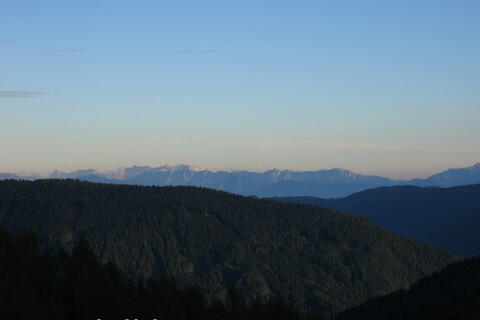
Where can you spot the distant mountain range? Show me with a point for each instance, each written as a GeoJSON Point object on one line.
{"type": "Point", "coordinates": [331, 183]}
{"type": "Point", "coordinates": [448, 218]}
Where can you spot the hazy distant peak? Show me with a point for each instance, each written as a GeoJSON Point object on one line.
{"type": "Point", "coordinates": [278, 175]}
{"type": "Point", "coordinates": [275, 172]}
{"type": "Point", "coordinates": [343, 172]}
{"type": "Point", "coordinates": [127, 172]}
{"type": "Point", "coordinates": [57, 174]}
{"type": "Point", "coordinates": [202, 169]}
{"type": "Point", "coordinates": [5, 175]}
{"type": "Point", "coordinates": [453, 177]}
{"type": "Point", "coordinates": [172, 168]}
{"type": "Point", "coordinates": [180, 167]}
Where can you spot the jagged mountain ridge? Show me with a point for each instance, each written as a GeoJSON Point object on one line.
{"type": "Point", "coordinates": [451, 177]}
{"type": "Point", "coordinates": [331, 183]}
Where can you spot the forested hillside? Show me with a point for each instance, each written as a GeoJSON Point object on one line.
{"type": "Point", "coordinates": [453, 293]}
{"type": "Point", "coordinates": [36, 284]}
{"type": "Point", "coordinates": [315, 258]}
{"type": "Point", "coordinates": [447, 218]}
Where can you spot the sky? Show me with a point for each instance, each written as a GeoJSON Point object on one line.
{"type": "Point", "coordinates": [377, 87]}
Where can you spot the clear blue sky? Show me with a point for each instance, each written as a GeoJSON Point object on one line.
{"type": "Point", "coordinates": [385, 87]}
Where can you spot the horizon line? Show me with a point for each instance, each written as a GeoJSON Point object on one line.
{"type": "Point", "coordinates": [46, 174]}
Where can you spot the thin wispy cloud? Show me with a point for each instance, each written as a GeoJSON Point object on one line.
{"type": "Point", "coordinates": [44, 54]}
{"type": "Point", "coordinates": [207, 51]}
{"type": "Point", "coordinates": [59, 52]}
{"type": "Point", "coordinates": [71, 50]}
{"type": "Point", "coordinates": [19, 94]}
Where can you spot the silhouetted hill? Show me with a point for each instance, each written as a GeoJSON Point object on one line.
{"type": "Point", "coordinates": [313, 257]}
{"type": "Point", "coordinates": [36, 284]}
{"type": "Point", "coordinates": [447, 218]}
{"type": "Point", "coordinates": [453, 293]}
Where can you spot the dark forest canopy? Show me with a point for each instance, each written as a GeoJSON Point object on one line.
{"type": "Point", "coordinates": [448, 218]}
{"type": "Point", "coordinates": [39, 285]}
{"type": "Point", "coordinates": [315, 258]}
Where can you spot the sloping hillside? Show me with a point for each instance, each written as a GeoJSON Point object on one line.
{"type": "Point", "coordinates": [313, 257]}
{"type": "Point", "coordinates": [453, 293]}
{"type": "Point", "coordinates": [447, 218]}
{"type": "Point", "coordinates": [38, 284]}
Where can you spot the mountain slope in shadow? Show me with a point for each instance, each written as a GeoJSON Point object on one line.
{"type": "Point", "coordinates": [453, 293]}
{"type": "Point", "coordinates": [447, 218]}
